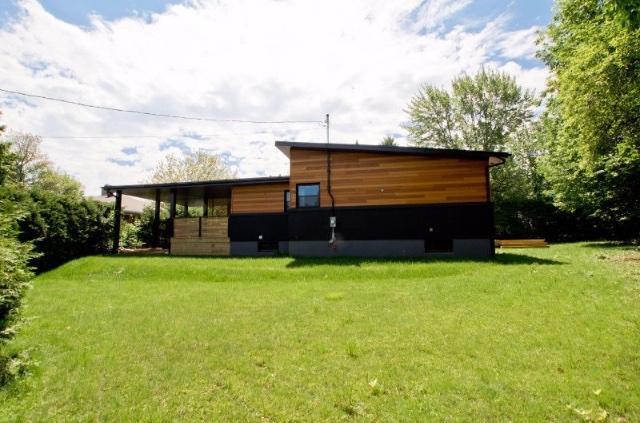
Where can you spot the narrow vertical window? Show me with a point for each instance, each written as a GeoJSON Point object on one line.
{"type": "Point", "coordinates": [287, 200]}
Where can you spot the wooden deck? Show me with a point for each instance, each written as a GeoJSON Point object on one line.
{"type": "Point", "coordinates": [200, 236]}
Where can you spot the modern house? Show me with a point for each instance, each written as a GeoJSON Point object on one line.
{"type": "Point", "coordinates": [339, 199]}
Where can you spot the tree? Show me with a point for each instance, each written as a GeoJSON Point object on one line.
{"type": "Point", "coordinates": [592, 121]}
{"type": "Point", "coordinates": [388, 141]}
{"type": "Point", "coordinates": [487, 111]}
{"type": "Point", "coordinates": [55, 217]}
{"type": "Point", "coordinates": [31, 161]}
{"type": "Point", "coordinates": [481, 112]}
{"type": "Point", "coordinates": [198, 166]}
{"type": "Point", "coordinates": [59, 183]}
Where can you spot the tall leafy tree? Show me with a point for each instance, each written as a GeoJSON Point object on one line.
{"type": "Point", "coordinates": [198, 166]}
{"type": "Point", "coordinates": [479, 112]}
{"type": "Point", "coordinates": [485, 111]}
{"type": "Point", "coordinates": [31, 162]}
{"type": "Point", "coordinates": [592, 122]}
{"type": "Point", "coordinates": [388, 141]}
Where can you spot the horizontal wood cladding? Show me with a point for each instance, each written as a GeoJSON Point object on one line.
{"type": "Point", "coordinates": [200, 236]}
{"type": "Point", "coordinates": [199, 247]}
{"type": "Point", "coordinates": [263, 198]}
{"type": "Point", "coordinates": [361, 179]}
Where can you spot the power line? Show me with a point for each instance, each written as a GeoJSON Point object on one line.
{"type": "Point", "coordinates": [104, 137]}
{"type": "Point", "coordinates": [139, 112]}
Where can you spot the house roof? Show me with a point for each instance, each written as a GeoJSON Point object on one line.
{"type": "Point", "coordinates": [495, 158]}
{"type": "Point", "coordinates": [191, 192]}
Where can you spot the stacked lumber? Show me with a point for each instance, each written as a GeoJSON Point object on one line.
{"type": "Point", "coordinates": [522, 243]}
{"type": "Point", "coordinates": [200, 236]}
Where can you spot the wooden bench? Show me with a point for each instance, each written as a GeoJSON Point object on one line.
{"type": "Point", "coordinates": [522, 243]}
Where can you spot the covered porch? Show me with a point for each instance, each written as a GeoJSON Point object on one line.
{"type": "Point", "coordinates": [198, 213]}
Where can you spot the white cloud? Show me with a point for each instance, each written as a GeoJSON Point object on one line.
{"type": "Point", "coordinates": [519, 44]}
{"type": "Point", "coordinates": [433, 13]}
{"type": "Point", "coordinates": [259, 59]}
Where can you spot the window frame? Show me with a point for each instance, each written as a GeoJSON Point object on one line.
{"type": "Point", "coordinates": [298, 196]}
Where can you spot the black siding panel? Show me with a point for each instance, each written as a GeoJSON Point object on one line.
{"type": "Point", "coordinates": [459, 221]}
{"type": "Point", "coordinates": [247, 227]}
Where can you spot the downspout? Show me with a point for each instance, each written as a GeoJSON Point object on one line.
{"type": "Point", "coordinates": [332, 219]}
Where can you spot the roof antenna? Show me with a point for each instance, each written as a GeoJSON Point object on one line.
{"type": "Point", "coordinates": [327, 122]}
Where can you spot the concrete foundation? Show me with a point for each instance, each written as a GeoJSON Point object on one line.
{"type": "Point", "coordinates": [473, 248]}
{"type": "Point", "coordinates": [251, 249]}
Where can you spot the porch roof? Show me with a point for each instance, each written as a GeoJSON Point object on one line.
{"type": "Point", "coordinates": [191, 192]}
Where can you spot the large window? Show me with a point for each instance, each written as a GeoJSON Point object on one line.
{"type": "Point", "coordinates": [308, 195]}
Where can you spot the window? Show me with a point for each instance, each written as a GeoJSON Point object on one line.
{"type": "Point", "coordinates": [265, 246]}
{"type": "Point", "coordinates": [438, 246]}
{"type": "Point", "coordinates": [287, 200]}
{"type": "Point", "coordinates": [308, 195]}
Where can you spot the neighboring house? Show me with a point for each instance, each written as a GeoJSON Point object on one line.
{"type": "Point", "coordinates": [340, 199]}
{"type": "Point", "coordinates": [131, 208]}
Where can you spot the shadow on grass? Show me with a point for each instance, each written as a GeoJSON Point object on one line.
{"type": "Point", "coordinates": [503, 258]}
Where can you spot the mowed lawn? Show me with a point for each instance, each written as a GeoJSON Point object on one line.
{"type": "Point", "coordinates": [534, 335]}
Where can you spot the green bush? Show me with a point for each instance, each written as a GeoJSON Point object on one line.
{"type": "Point", "coordinates": [129, 234]}
{"type": "Point", "coordinates": [145, 226]}
{"type": "Point", "coordinates": [539, 218]}
{"type": "Point", "coordinates": [65, 227]}
{"type": "Point", "coordinates": [14, 281]}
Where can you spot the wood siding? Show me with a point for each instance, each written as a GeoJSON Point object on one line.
{"type": "Point", "coordinates": [363, 179]}
{"type": "Point", "coordinates": [196, 236]}
{"type": "Point", "coordinates": [263, 198]}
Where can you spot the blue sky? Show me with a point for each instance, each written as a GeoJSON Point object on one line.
{"type": "Point", "coordinates": [523, 12]}
{"type": "Point", "coordinates": [77, 11]}
{"type": "Point", "coordinates": [360, 61]}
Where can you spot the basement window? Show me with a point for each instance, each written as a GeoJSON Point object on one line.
{"type": "Point", "coordinates": [266, 246]}
{"type": "Point", "coordinates": [308, 195]}
{"type": "Point", "coordinates": [438, 246]}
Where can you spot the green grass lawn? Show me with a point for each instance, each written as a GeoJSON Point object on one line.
{"type": "Point", "coordinates": [534, 335]}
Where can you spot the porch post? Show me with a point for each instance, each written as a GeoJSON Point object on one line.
{"type": "Point", "coordinates": [172, 209]}
{"type": "Point", "coordinates": [205, 204]}
{"type": "Point", "coordinates": [116, 222]}
{"type": "Point", "coordinates": [156, 222]}
{"type": "Point", "coordinates": [186, 204]}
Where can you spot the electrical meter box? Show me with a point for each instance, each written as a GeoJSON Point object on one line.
{"type": "Point", "coordinates": [332, 222]}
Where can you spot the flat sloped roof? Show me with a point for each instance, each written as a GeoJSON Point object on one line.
{"type": "Point", "coordinates": [494, 157]}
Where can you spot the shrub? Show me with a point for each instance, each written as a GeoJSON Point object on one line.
{"type": "Point", "coordinates": [145, 226]}
{"type": "Point", "coordinates": [14, 281]}
{"type": "Point", "coordinates": [64, 227]}
{"type": "Point", "coordinates": [539, 218]}
{"type": "Point", "coordinates": [129, 234]}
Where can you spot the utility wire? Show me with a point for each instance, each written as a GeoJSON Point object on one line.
{"type": "Point", "coordinates": [139, 112]}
